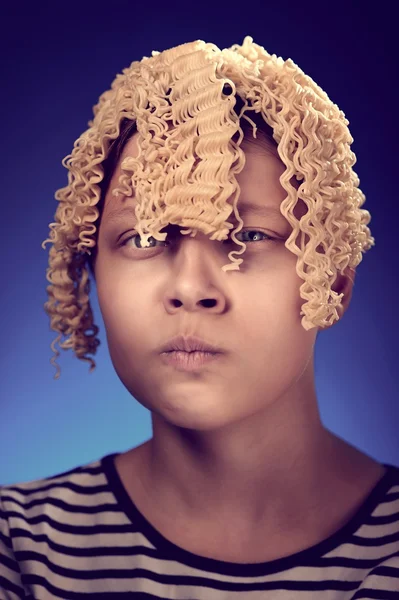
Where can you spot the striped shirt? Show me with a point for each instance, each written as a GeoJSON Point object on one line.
{"type": "Point", "coordinates": [78, 534]}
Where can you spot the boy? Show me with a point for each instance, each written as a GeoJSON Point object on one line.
{"type": "Point", "coordinates": [241, 489]}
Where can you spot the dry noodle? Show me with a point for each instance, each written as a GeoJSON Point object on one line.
{"type": "Point", "coordinates": [182, 101]}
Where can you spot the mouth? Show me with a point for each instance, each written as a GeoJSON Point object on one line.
{"type": "Point", "coordinates": [191, 352]}
{"type": "Point", "coordinates": [189, 361]}
{"type": "Point", "coordinates": [190, 345]}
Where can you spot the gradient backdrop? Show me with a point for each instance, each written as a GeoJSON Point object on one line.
{"type": "Point", "coordinates": [57, 58]}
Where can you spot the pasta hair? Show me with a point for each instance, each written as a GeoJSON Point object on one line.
{"type": "Point", "coordinates": [189, 105]}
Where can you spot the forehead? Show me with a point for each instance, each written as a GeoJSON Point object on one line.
{"type": "Point", "coordinates": [259, 180]}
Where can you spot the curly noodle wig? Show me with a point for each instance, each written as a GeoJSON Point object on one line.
{"type": "Point", "coordinates": [189, 106]}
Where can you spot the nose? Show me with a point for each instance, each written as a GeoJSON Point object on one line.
{"type": "Point", "coordinates": [195, 282]}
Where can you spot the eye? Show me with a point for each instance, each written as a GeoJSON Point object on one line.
{"type": "Point", "coordinates": [136, 236]}
{"type": "Point", "coordinates": [257, 233]}
{"type": "Point", "coordinates": [251, 231]}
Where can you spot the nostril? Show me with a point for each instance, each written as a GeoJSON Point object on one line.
{"type": "Point", "coordinates": [209, 302]}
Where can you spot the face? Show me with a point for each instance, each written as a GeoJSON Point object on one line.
{"type": "Point", "coordinates": [149, 295]}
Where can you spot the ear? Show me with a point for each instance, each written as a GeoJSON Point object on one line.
{"type": "Point", "coordinates": [343, 285]}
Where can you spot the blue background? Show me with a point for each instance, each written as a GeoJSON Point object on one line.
{"type": "Point", "coordinates": [57, 59]}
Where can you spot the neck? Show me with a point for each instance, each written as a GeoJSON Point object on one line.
{"type": "Point", "coordinates": [258, 471]}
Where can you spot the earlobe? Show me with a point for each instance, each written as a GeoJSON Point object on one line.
{"type": "Point", "coordinates": [343, 285]}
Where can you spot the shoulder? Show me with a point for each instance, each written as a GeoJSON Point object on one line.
{"type": "Point", "coordinates": [18, 499]}
{"type": "Point", "coordinates": [383, 577]}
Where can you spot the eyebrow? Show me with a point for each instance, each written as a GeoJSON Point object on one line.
{"type": "Point", "coordinates": [117, 214]}
{"type": "Point", "coordinates": [259, 209]}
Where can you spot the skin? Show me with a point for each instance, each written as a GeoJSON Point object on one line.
{"type": "Point", "coordinates": [240, 440]}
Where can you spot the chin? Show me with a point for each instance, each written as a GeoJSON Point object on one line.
{"type": "Point", "coordinates": [196, 420]}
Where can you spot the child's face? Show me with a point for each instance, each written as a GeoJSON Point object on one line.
{"type": "Point", "coordinates": [150, 295]}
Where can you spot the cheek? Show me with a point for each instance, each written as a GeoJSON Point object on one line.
{"type": "Point", "coordinates": [128, 326]}
{"type": "Point", "coordinates": [269, 320]}
{"type": "Point", "coordinates": [125, 311]}
{"type": "Point", "coordinates": [274, 292]}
